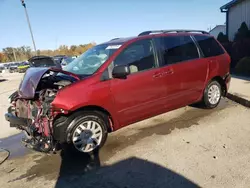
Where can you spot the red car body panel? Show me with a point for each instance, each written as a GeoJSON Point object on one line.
{"type": "Point", "coordinates": [140, 91]}
{"type": "Point", "coordinates": [144, 94]}
{"type": "Point", "coordinates": [86, 93]}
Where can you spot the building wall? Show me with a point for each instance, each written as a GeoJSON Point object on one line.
{"type": "Point", "coordinates": [215, 32]}
{"type": "Point", "coordinates": [236, 15]}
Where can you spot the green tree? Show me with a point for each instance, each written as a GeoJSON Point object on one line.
{"type": "Point", "coordinates": [222, 38]}
{"type": "Point", "coordinates": [242, 33]}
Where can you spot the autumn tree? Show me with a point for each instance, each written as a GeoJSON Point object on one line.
{"type": "Point", "coordinates": [9, 54]}
{"type": "Point", "coordinates": [2, 57]}
{"type": "Point", "coordinates": [73, 50]}
{"type": "Point", "coordinates": [24, 52]}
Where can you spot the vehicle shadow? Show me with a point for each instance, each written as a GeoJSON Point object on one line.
{"type": "Point", "coordinates": [3, 80]}
{"type": "Point", "coordinates": [74, 163]}
{"type": "Point", "coordinates": [81, 170]}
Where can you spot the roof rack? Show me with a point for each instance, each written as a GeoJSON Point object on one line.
{"type": "Point", "coordinates": [172, 31]}
{"type": "Point", "coordinates": [114, 39]}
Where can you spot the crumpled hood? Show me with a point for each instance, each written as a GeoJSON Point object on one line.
{"type": "Point", "coordinates": [31, 79]}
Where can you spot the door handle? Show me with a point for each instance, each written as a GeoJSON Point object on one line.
{"type": "Point", "coordinates": [157, 75]}
{"type": "Point", "coordinates": [168, 72]}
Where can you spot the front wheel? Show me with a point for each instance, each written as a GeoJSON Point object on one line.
{"type": "Point", "coordinates": [89, 131]}
{"type": "Point", "coordinates": [212, 95]}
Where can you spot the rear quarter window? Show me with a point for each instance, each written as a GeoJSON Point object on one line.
{"type": "Point", "coordinates": [178, 49]}
{"type": "Point", "coordinates": [209, 46]}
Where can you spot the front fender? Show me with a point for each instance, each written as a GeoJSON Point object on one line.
{"type": "Point", "coordinates": [85, 94]}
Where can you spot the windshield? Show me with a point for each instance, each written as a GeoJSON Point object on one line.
{"type": "Point", "coordinates": [91, 60]}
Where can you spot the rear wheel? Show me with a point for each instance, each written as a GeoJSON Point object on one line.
{"type": "Point", "coordinates": [212, 95]}
{"type": "Point", "coordinates": [89, 131]}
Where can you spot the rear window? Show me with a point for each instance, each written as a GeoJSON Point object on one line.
{"type": "Point", "coordinates": [209, 46]}
{"type": "Point", "coordinates": [42, 62]}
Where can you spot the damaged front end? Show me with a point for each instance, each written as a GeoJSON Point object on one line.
{"type": "Point", "coordinates": [31, 110]}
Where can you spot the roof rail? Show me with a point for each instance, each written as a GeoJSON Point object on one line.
{"type": "Point", "coordinates": [172, 31]}
{"type": "Point", "coordinates": [114, 39]}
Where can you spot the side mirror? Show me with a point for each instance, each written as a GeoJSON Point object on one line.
{"type": "Point", "coordinates": [121, 72]}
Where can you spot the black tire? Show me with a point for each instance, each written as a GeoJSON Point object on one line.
{"type": "Point", "coordinates": [206, 103]}
{"type": "Point", "coordinates": [84, 116]}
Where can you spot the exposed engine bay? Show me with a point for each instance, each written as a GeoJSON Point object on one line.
{"type": "Point", "coordinates": [34, 115]}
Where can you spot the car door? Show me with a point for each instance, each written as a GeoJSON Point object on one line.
{"type": "Point", "coordinates": [140, 95]}
{"type": "Point", "coordinates": [212, 52]}
{"type": "Point", "coordinates": [182, 64]}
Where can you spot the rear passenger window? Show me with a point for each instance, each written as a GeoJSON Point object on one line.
{"type": "Point", "coordinates": [139, 56]}
{"type": "Point", "coordinates": [209, 46]}
{"type": "Point", "coordinates": [178, 49]}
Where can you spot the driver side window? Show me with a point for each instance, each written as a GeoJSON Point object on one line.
{"type": "Point", "coordinates": [139, 56]}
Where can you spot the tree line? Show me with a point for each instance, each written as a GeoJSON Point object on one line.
{"type": "Point", "coordinates": [238, 49]}
{"type": "Point", "coordinates": [23, 53]}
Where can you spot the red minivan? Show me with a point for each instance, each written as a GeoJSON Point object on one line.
{"type": "Point", "coordinates": [117, 83]}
